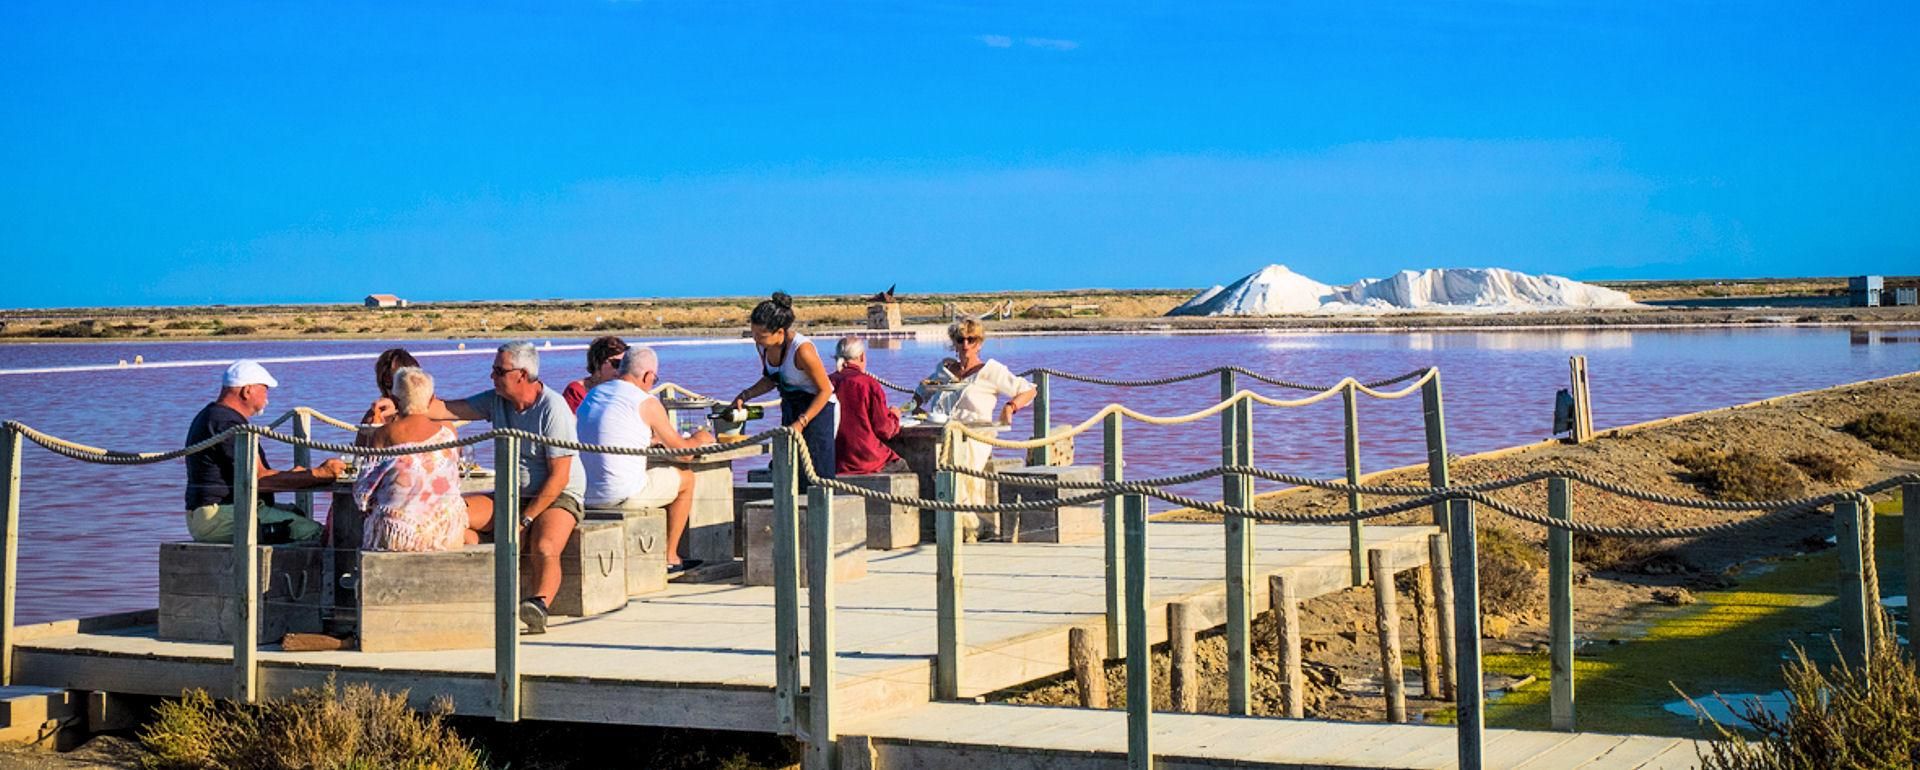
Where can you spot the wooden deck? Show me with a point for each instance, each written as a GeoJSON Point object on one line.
{"type": "Point", "coordinates": [702, 655]}
{"type": "Point", "coordinates": [1033, 737]}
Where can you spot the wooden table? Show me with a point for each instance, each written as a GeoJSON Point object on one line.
{"type": "Point", "coordinates": [709, 535]}
{"type": "Point", "coordinates": [919, 445]}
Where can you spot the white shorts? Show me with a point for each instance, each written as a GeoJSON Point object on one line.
{"type": "Point", "coordinates": [663, 485]}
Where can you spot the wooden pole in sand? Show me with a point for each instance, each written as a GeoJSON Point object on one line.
{"type": "Point", "coordinates": [1181, 682]}
{"type": "Point", "coordinates": [1910, 523]}
{"type": "Point", "coordinates": [1386, 619]}
{"type": "Point", "coordinates": [1427, 629]}
{"type": "Point", "coordinates": [1089, 674]}
{"type": "Point", "coordinates": [1286, 622]}
{"type": "Point", "coordinates": [1439, 562]}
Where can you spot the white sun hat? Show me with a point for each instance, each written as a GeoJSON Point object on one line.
{"type": "Point", "coordinates": [245, 372]}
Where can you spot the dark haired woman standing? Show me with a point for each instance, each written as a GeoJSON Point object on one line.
{"type": "Point", "coordinates": [790, 363]}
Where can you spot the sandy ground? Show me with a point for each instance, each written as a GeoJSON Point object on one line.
{"type": "Point", "coordinates": [1341, 649]}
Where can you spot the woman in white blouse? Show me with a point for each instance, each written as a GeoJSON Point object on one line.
{"type": "Point", "coordinates": [980, 384]}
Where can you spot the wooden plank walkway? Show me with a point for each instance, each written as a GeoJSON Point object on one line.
{"type": "Point", "coordinates": [702, 656]}
{"type": "Point", "coordinates": [941, 735]}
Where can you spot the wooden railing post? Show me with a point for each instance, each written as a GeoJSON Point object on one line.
{"type": "Point", "coordinates": [1468, 689]}
{"type": "Point", "coordinates": [1560, 604]}
{"type": "Point", "coordinates": [786, 582]}
{"type": "Point", "coordinates": [1436, 422]}
{"type": "Point", "coordinates": [1139, 653]}
{"type": "Point", "coordinates": [1853, 602]}
{"type": "Point", "coordinates": [821, 735]}
{"type": "Point", "coordinates": [1356, 544]}
{"type": "Point", "coordinates": [1181, 682]}
{"type": "Point", "coordinates": [303, 457]}
{"type": "Point", "coordinates": [1236, 440]}
{"type": "Point", "coordinates": [9, 545]}
{"type": "Point", "coordinates": [1910, 537]}
{"type": "Point", "coordinates": [246, 567]}
{"type": "Point", "coordinates": [950, 582]}
{"type": "Point", "coordinates": [506, 575]}
{"type": "Point", "coordinates": [1042, 419]}
{"type": "Point", "coordinates": [1113, 467]}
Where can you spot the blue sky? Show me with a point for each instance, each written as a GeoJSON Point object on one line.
{"type": "Point", "coordinates": [152, 153]}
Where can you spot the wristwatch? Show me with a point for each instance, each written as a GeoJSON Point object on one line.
{"type": "Point", "coordinates": [525, 521]}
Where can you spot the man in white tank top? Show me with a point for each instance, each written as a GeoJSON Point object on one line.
{"type": "Point", "coordinates": [623, 412]}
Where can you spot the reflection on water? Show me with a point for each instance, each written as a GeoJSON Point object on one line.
{"type": "Point", "coordinates": [1499, 391]}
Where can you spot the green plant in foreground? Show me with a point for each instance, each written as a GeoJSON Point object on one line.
{"type": "Point", "coordinates": [1843, 717]}
{"type": "Point", "coordinates": [328, 728]}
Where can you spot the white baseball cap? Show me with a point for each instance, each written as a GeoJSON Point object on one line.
{"type": "Point", "coordinates": [244, 372]}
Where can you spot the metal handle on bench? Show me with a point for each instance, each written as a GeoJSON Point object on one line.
{"type": "Point", "coordinates": [606, 563]}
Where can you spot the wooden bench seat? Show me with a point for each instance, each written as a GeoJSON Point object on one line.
{"type": "Point", "coordinates": [593, 570]}
{"type": "Point", "coordinates": [196, 591]}
{"type": "Point", "coordinates": [434, 600]}
{"type": "Point", "coordinates": [644, 542]}
{"type": "Point", "coordinates": [849, 540]}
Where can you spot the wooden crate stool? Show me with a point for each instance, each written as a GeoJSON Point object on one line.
{"type": "Point", "coordinates": [432, 600]}
{"type": "Point", "coordinates": [644, 541]}
{"type": "Point", "coordinates": [196, 591]}
{"type": "Point", "coordinates": [1064, 524]}
{"type": "Point", "coordinates": [593, 570]}
{"type": "Point", "coordinates": [890, 525]}
{"type": "Point", "coordinates": [849, 540]}
{"type": "Point", "coordinates": [743, 494]}
{"type": "Point", "coordinates": [991, 524]}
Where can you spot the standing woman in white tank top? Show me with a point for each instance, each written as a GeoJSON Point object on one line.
{"type": "Point", "coordinates": [790, 363]}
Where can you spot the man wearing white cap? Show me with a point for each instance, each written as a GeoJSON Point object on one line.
{"type": "Point", "coordinates": [243, 394]}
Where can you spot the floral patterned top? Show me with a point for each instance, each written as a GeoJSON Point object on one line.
{"type": "Point", "coordinates": [413, 501]}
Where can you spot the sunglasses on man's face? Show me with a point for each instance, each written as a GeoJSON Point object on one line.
{"type": "Point", "coordinates": [499, 371]}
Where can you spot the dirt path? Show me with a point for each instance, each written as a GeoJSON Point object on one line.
{"type": "Point", "coordinates": [1615, 584]}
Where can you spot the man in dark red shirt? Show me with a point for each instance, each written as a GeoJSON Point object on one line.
{"type": "Point", "coordinates": [866, 422]}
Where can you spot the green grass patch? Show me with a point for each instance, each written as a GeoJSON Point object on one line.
{"type": "Point", "coordinates": [1731, 641]}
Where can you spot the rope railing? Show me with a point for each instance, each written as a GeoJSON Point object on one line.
{"type": "Point", "coordinates": [1214, 372]}
{"type": "Point", "coordinates": [1244, 396]}
{"type": "Point", "coordinates": [1096, 491]}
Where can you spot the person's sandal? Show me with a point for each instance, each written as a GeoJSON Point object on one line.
{"type": "Point", "coordinates": [533, 612]}
{"type": "Point", "coordinates": [683, 566]}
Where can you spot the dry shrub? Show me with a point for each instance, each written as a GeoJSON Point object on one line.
{"type": "Point", "coordinates": [237, 329]}
{"type": "Point", "coordinates": [1823, 467]}
{"type": "Point", "coordinates": [1842, 717]}
{"type": "Point", "coordinates": [1511, 573]}
{"type": "Point", "coordinates": [316, 729]}
{"type": "Point", "coordinates": [1890, 432]}
{"type": "Point", "coordinates": [1625, 554]}
{"type": "Point", "coordinates": [1740, 475]}
{"type": "Point", "coordinates": [321, 329]}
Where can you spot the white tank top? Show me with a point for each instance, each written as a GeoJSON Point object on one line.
{"type": "Point", "coordinates": [610, 416]}
{"type": "Point", "coordinates": [788, 374]}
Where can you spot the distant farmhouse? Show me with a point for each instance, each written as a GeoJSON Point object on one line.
{"type": "Point", "coordinates": [384, 300]}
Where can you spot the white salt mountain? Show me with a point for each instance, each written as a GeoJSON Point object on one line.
{"type": "Point", "coordinates": [1276, 290]}
{"type": "Point", "coordinates": [1271, 291]}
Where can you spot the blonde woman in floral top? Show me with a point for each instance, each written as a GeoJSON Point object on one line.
{"type": "Point", "coordinates": [413, 501]}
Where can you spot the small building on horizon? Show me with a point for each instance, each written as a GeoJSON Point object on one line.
{"type": "Point", "coordinates": [1864, 290]}
{"type": "Point", "coordinates": [384, 301]}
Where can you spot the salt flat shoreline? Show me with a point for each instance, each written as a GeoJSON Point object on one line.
{"type": "Point", "coordinates": [1103, 311]}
